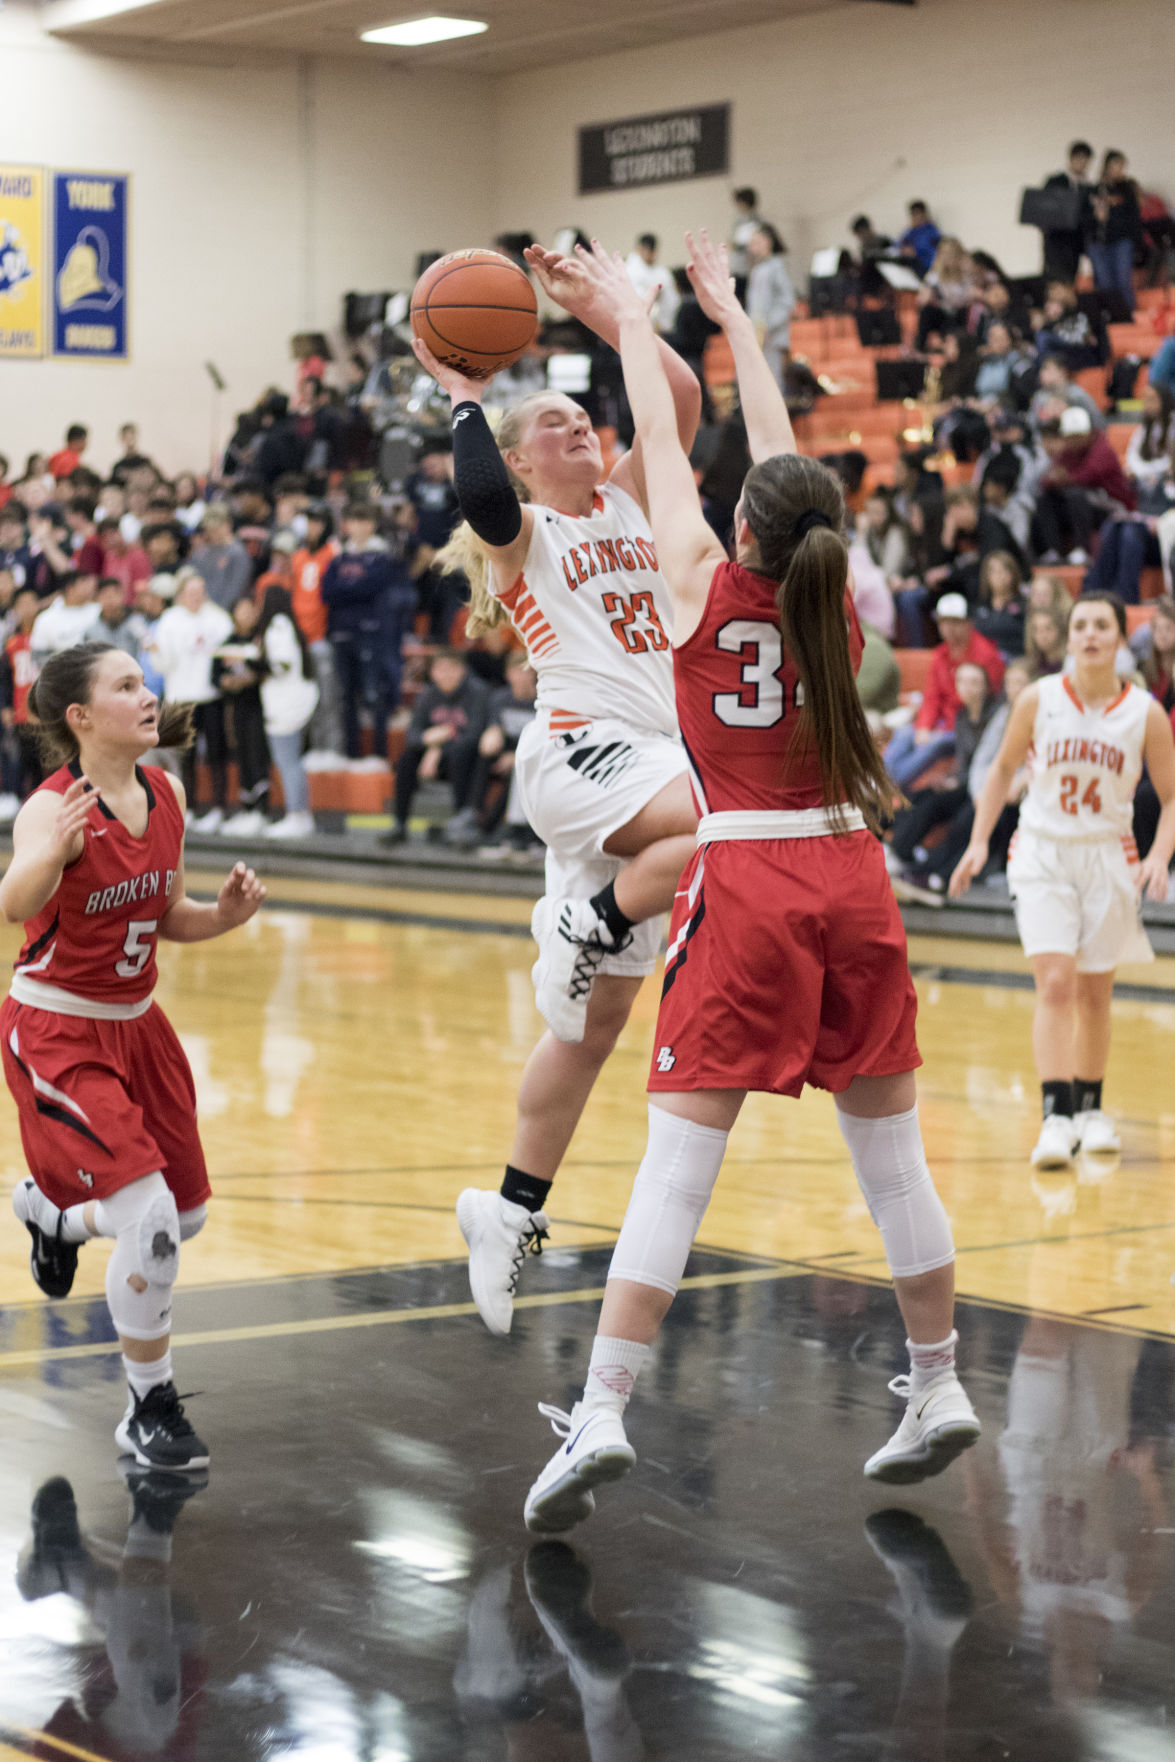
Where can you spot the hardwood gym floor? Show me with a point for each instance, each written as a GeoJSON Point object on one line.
{"type": "Point", "coordinates": [355, 1584]}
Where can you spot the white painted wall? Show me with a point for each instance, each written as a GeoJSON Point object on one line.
{"type": "Point", "coordinates": [262, 191]}
{"type": "Point", "coordinates": [976, 97]}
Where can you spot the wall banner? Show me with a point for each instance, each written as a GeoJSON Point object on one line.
{"type": "Point", "coordinates": [663, 149]}
{"type": "Point", "coordinates": [22, 262]}
{"type": "Point", "coordinates": [91, 217]}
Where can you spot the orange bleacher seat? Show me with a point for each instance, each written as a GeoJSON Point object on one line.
{"type": "Point", "coordinates": [717, 361]}
{"type": "Point", "coordinates": [1093, 381]}
{"type": "Point", "coordinates": [913, 665]}
{"type": "Point", "coordinates": [1150, 584]}
{"type": "Point", "coordinates": [1152, 299]}
{"type": "Point", "coordinates": [1136, 617]}
{"type": "Point", "coordinates": [1070, 575]}
{"type": "Point", "coordinates": [877, 476]}
{"type": "Point", "coordinates": [1118, 434]}
{"type": "Point", "coordinates": [1133, 339]}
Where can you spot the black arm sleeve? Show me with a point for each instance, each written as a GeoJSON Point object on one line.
{"type": "Point", "coordinates": [481, 480]}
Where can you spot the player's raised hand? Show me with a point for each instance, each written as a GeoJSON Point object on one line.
{"type": "Point", "coordinates": [562, 279]}
{"type": "Point", "coordinates": [969, 865]}
{"type": "Point", "coordinates": [77, 803]}
{"type": "Point", "coordinates": [240, 897]}
{"type": "Point", "coordinates": [612, 282]}
{"type": "Point", "coordinates": [461, 389]}
{"type": "Point", "coordinates": [708, 268]}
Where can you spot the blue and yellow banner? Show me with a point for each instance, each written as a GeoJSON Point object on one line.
{"type": "Point", "coordinates": [22, 262]}
{"type": "Point", "coordinates": [90, 295]}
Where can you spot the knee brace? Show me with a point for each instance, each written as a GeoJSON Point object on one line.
{"type": "Point", "coordinates": [145, 1224]}
{"type": "Point", "coordinates": [890, 1164]}
{"type": "Point", "coordinates": [192, 1222]}
{"type": "Point", "coordinates": [669, 1199]}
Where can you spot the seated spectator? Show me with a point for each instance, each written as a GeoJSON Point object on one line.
{"type": "Point", "coordinates": [870, 590]}
{"type": "Point", "coordinates": [1057, 391]}
{"type": "Point", "coordinates": [309, 566]}
{"type": "Point", "coordinates": [1046, 641]}
{"type": "Point", "coordinates": [127, 563]}
{"type": "Point", "coordinates": [63, 463]}
{"type": "Point", "coordinates": [165, 542]}
{"type": "Point", "coordinates": [236, 674]}
{"type": "Point", "coordinates": [872, 248]}
{"type": "Point", "coordinates": [1117, 230]}
{"type": "Point", "coordinates": [1000, 613]}
{"type": "Point", "coordinates": [919, 242]}
{"type": "Point", "coordinates": [1162, 370]}
{"type": "Point", "coordinates": [1154, 649]}
{"type": "Point", "coordinates": [950, 797]}
{"type": "Point", "coordinates": [221, 561]}
{"type": "Point", "coordinates": [288, 696]}
{"type": "Point", "coordinates": [50, 559]}
{"type": "Point", "coordinates": [70, 618]}
{"type": "Point", "coordinates": [84, 544]}
{"type": "Point", "coordinates": [971, 529]}
{"type": "Point", "coordinates": [930, 736]}
{"type": "Point", "coordinates": [493, 795]}
{"type": "Point", "coordinates": [184, 642]}
{"type": "Point", "coordinates": [1150, 457]}
{"type": "Point", "coordinates": [945, 858]}
{"type": "Point", "coordinates": [1067, 331]}
{"type": "Point", "coordinates": [448, 720]}
{"type": "Point", "coordinates": [116, 623]}
{"type": "Point", "coordinates": [1004, 368]}
{"type": "Point", "coordinates": [947, 292]}
{"type": "Point", "coordinates": [1001, 307]}
{"type": "Point", "coordinates": [1003, 495]}
{"type": "Point", "coordinates": [885, 535]}
{"type": "Point", "coordinates": [5, 486]}
{"type": "Point", "coordinates": [151, 601]}
{"type": "Point", "coordinates": [22, 770]}
{"type": "Point", "coordinates": [14, 550]}
{"type": "Point", "coordinates": [771, 298]}
{"type": "Point", "coordinates": [253, 522]}
{"type": "Point", "coordinates": [190, 505]}
{"type": "Point", "coordinates": [879, 679]}
{"type": "Point", "coordinates": [1084, 482]}
{"type": "Point", "coordinates": [358, 589]}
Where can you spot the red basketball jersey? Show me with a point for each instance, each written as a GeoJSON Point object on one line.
{"type": "Point", "coordinates": [736, 701]}
{"type": "Point", "coordinates": [96, 937]}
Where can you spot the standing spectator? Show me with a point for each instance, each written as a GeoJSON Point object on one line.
{"type": "Point", "coordinates": [651, 278]}
{"type": "Point", "coordinates": [288, 697]}
{"type": "Point", "coordinates": [222, 562]}
{"type": "Point", "coordinates": [1117, 230]}
{"type": "Point", "coordinates": [746, 222]}
{"type": "Point", "coordinates": [771, 298]}
{"type": "Point", "coordinates": [930, 736]}
{"type": "Point", "coordinates": [84, 543]}
{"type": "Point", "coordinates": [279, 447]}
{"type": "Point", "coordinates": [5, 486]}
{"type": "Point", "coordinates": [236, 673]}
{"type": "Point", "coordinates": [14, 550]}
{"type": "Point", "coordinates": [131, 459]}
{"type": "Point", "coordinates": [116, 623]}
{"type": "Point", "coordinates": [166, 544]}
{"type": "Point", "coordinates": [190, 505]}
{"type": "Point", "coordinates": [186, 638]}
{"type": "Point", "coordinates": [124, 562]}
{"type": "Point", "coordinates": [309, 566]}
{"type": "Point", "coordinates": [448, 720]}
{"type": "Point", "coordinates": [151, 601]}
{"type": "Point", "coordinates": [70, 618]}
{"type": "Point", "coordinates": [919, 242]}
{"type": "Point", "coordinates": [65, 462]}
{"type": "Point", "coordinates": [253, 520]}
{"type": "Point", "coordinates": [493, 796]}
{"type": "Point", "coordinates": [50, 560]}
{"type": "Point", "coordinates": [1063, 245]}
{"type": "Point", "coordinates": [357, 589]}
{"type": "Point", "coordinates": [280, 572]}
{"type": "Point", "coordinates": [689, 336]}
{"type": "Point", "coordinates": [21, 760]}
{"type": "Point", "coordinates": [430, 490]}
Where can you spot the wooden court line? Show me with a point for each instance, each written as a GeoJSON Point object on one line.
{"type": "Point", "coordinates": [44, 1737]}
{"type": "Point", "coordinates": [330, 1324]}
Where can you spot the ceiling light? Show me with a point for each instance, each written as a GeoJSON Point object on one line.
{"type": "Point", "coordinates": [424, 30]}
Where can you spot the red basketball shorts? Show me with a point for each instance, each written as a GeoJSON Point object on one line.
{"type": "Point", "coordinates": [787, 965]}
{"type": "Point", "coordinates": [102, 1103]}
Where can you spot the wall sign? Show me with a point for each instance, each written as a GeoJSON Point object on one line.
{"type": "Point", "coordinates": [22, 262]}
{"type": "Point", "coordinates": [91, 213]}
{"type": "Point", "coordinates": [665, 149]}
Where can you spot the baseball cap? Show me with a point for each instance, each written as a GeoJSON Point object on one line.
{"type": "Point", "coordinates": [165, 585]}
{"type": "Point", "coordinates": [285, 542]}
{"type": "Point", "coordinates": [1075, 420]}
{"type": "Point", "coordinates": [952, 605]}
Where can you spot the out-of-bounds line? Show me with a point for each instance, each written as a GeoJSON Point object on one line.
{"type": "Point", "coordinates": [38, 1738]}
{"type": "Point", "coordinates": [325, 908]}
{"type": "Point", "coordinates": [934, 971]}
{"type": "Point", "coordinates": [329, 1324]}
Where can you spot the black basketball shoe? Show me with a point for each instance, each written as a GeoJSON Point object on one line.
{"type": "Point", "coordinates": [155, 1432]}
{"type": "Point", "coordinates": [53, 1262]}
{"type": "Point", "coordinates": [57, 1552]}
{"type": "Point", "coordinates": [159, 1498]}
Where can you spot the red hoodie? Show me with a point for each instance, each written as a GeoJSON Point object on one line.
{"type": "Point", "coordinates": [941, 703]}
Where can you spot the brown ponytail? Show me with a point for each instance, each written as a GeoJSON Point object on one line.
{"type": "Point", "coordinates": [809, 559]}
{"type": "Point", "coordinates": [66, 679]}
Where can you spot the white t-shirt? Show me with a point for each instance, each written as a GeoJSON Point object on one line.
{"type": "Point", "coordinates": [182, 649]}
{"type": "Point", "coordinates": [1084, 764]}
{"type": "Point", "coordinates": [60, 626]}
{"type": "Point", "coordinates": [594, 611]}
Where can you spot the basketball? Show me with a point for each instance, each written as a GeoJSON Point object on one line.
{"type": "Point", "coordinates": [476, 311]}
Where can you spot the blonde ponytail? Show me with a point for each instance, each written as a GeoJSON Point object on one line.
{"type": "Point", "coordinates": [465, 554]}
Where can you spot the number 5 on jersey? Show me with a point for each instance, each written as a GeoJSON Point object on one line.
{"type": "Point", "coordinates": [137, 948]}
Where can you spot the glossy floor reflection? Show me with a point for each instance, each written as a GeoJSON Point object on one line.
{"type": "Point", "coordinates": [354, 1584]}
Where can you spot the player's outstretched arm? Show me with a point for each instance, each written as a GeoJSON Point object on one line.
{"type": "Point", "coordinates": [46, 835]}
{"type": "Point", "coordinates": [1012, 754]}
{"type": "Point", "coordinates": [569, 282]}
{"type": "Point", "coordinates": [688, 549]}
{"type": "Point", "coordinates": [769, 429]}
{"type": "Point", "coordinates": [1159, 753]}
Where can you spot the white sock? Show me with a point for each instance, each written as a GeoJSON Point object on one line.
{"type": "Point", "coordinates": [927, 1363]}
{"type": "Point", "coordinates": [45, 1215]}
{"type": "Point", "coordinates": [74, 1228]}
{"type": "Point", "coordinates": [145, 1377]}
{"type": "Point", "coordinates": [612, 1372]}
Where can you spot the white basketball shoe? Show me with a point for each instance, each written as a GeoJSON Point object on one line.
{"type": "Point", "coordinates": [500, 1236]}
{"type": "Point", "coordinates": [938, 1424]}
{"type": "Point", "coordinates": [596, 1450]}
{"type": "Point", "coordinates": [1057, 1142]}
{"type": "Point", "coordinates": [572, 942]}
{"type": "Point", "coordinates": [1096, 1133]}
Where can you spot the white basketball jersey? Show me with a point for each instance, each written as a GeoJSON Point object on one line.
{"type": "Point", "coordinates": [1085, 764]}
{"type": "Point", "coordinates": [592, 606]}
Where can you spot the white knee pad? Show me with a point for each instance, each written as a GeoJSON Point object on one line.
{"type": "Point", "coordinates": [669, 1199]}
{"type": "Point", "coordinates": [192, 1222]}
{"type": "Point", "coordinates": [891, 1169]}
{"type": "Point", "coordinates": [144, 1221]}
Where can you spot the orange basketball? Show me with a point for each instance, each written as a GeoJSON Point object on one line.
{"type": "Point", "coordinates": [476, 311]}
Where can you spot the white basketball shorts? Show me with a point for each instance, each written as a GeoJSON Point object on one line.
{"type": "Point", "coordinates": [578, 784]}
{"type": "Point", "coordinates": [1078, 899]}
